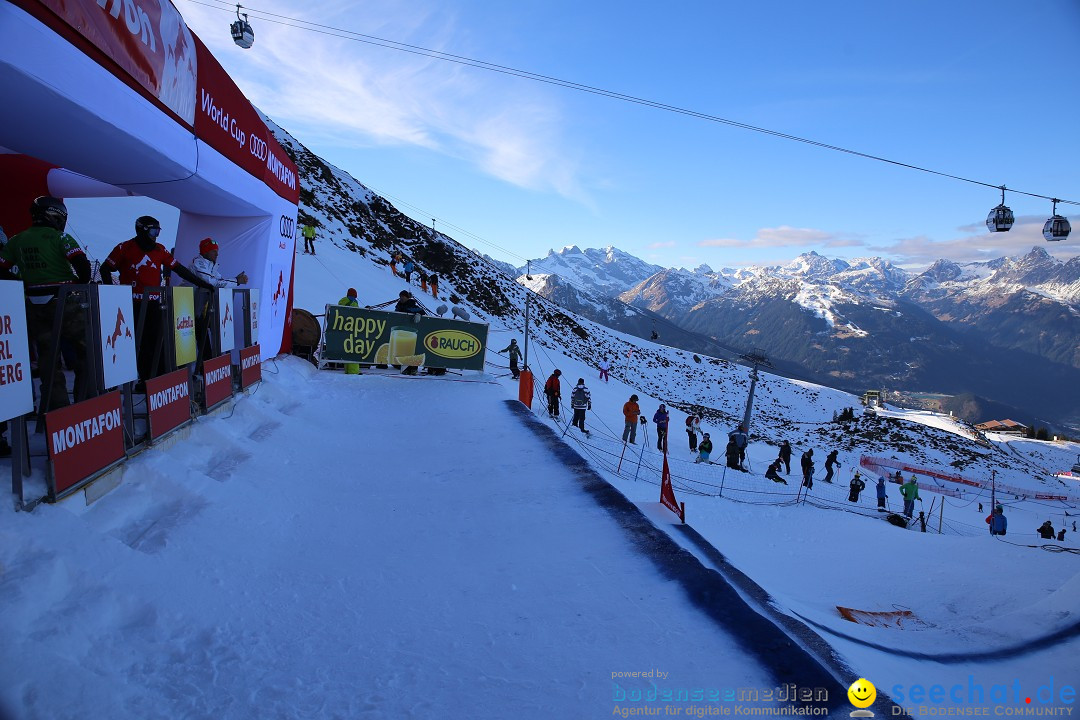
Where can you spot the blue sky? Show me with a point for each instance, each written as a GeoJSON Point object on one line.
{"type": "Point", "coordinates": [981, 89]}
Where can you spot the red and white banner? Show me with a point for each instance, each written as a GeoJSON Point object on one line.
{"type": "Point", "coordinates": [250, 366]}
{"type": "Point", "coordinates": [16, 392]}
{"type": "Point", "coordinates": [217, 379]}
{"type": "Point", "coordinates": [169, 400]}
{"type": "Point", "coordinates": [83, 439]}
{"type": "Point", "coordinates": [667, 493]}
{"type": "Point", "coordinates": [116, 318]}
{"type": "Point", "coordinates": [226, 319]}
{"type": "Point", "coordinates": [882, 466]}
{"type": "Point", "coordinates": [147, 39]}
{"type": "Point", "coordinates": [147, 45]}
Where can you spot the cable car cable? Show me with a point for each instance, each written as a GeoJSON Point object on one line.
{"type": "Point", "coordinates": [528, 75]}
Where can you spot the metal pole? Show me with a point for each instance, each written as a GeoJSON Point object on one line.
{"type": "Point", "coordinates": [750, 400]}
{"type": "Point", "coordinates": [528, 297]}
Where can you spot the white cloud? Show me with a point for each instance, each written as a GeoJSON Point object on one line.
{"type": "Point", "coordinates": [331, 90]}
{"type": "Point", "coordinates": [664, 244]}
{"type": "Point", "coordinates": [785, 236]}
{"type": "Point", "coordinates": [977, 246]}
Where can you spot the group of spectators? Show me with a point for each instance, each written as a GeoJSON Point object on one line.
{"type": "Point", "coordinates": [47, 259]}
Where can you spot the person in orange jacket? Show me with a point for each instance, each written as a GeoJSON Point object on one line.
{"type": "Point", "coordinates": [631, 410]}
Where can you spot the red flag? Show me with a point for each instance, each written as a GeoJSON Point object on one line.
{"type": "Point", "coordinates": [667, 494]}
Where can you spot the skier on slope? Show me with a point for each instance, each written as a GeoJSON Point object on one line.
{"type": "Point", "coordinates": [785, 455]}
{"type": "Point", "coordinates": [741, 439]}
{"type": "Point", "coordinates": [604, 366]}
{"type": "Point", "coordinates": [880, 487]}
{"type": "Point", "coordinates": [693, 427]}
{"type": "Point", "coordinates": [580, 401]}
{"type": "Point", "coordinates": [830, 462]}
{"type": "Point", "coordinates": [553, 393]}
{"type": "Point", "coordinates": [773, 473]}
{"type": "Point", "coordinates": [910, 491]}
{"type": "Point", "coordinates": [808, 469]}
{"type": "Point", "coordinates": [660, 419]}
{"type": "Point", "coordinates": [856, 486]}
{"type": "Point", "coordinates": [630, 410]}
{"type": "Point", "coordinates": [515, 356]}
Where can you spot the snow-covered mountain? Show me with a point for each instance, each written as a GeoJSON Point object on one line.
{"type": "Point", "coordinates": [1007, 330]}
{"type": "Point", "coordinates": [609, 271]}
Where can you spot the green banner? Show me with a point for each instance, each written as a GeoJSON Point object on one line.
{"type": "Point", "coordinates": [378, 337]}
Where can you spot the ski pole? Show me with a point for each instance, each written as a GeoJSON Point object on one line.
{"type": "Point", "coordinates": [722, 479]}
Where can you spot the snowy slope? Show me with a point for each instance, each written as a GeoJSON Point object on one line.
{"type": "Point", "coordinates": [377, 546]}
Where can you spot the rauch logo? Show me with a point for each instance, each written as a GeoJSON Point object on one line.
{"type": "Point", "coordinates": [452, 344]}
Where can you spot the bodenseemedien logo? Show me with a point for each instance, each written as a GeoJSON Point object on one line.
{"type": "Point", "coordinates": [862, 694]}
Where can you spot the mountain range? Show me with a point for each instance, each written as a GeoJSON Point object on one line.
{"type": "Point", "coordinates": [1006, 330]}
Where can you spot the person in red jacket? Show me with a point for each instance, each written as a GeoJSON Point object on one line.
{"type": "Point", "coordinates": [140, 262]}
{"type": "Point", "coordinates": [553, 393]}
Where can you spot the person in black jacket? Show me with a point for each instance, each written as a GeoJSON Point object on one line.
{"type": "Point", "coordinates": [808, 468]}
{"type": "Point", "coordinates": [785, 455]}
{"type": "Point", "coordinates": [856, 487]}
{"type": "Point", "coordinates": [830, 462]}
{"type": "Point", "coordinates": [773, 473]}
{"type": "Point", "coordinates": [407, 304]}
{"type": "Point", "coordinates": [1046, 531]}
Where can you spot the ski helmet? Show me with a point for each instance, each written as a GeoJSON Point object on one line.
{"type": "Point", "coordinates": [49, 211]}
{"type": "Point", "coordinates": [147, 227]}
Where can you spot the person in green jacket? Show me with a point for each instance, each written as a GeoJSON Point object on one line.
{"type": "Point", "coordinates": [350, 301]}
{"type": "Point", "coordinates": [308, 231]}
{"type": "Point", "coordinates": [910, 491]}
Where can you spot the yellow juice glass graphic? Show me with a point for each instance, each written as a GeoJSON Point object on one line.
{"type": "Point", "coordinates": [402, 343]}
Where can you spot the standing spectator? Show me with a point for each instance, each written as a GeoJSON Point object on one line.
{"type": "Point", "coordinates": [140, 262]}
{"type": "Point", "coordinates": [423, 280]}
{"type": "Point", "coordinates": [308, 231]}
{"type": "Point", "coordinates": [206, 267]}
{"type": "Point", "coordinates": [997, 521]}
{"type": "Point", "coordinates": [808, 469]}
{"type": "Point", "coordinates": [394, 260]}
{"type": "Point", "coordinates": [856, 486]}
{"type": "Point", "coordinates": [1061, 532]}
{"type": "Point", "coordinates": [407, 304]}
{"type": "Point", "coordinates": [604, 366]}
{"type": "Point", "coordinates": [880, 487]}
{"type": "Point", "coordinates": [407, 270]}
{"type": "Point", "coordinates": [731, 452]}
{"type": "Point", "coordinates": [515, 356]}
{"type": "Point", "coordinates": [693, 427]}
{"type": "Point", "coordinates": [1046, 531]}
{"type": "Point", "coordinates": [434, 281]}
{"type": "Point", "coordinates": [830, 463]}
{"type": "Point", "coordinates": [630, 410]}
{"type": "Point", "coordinates": [741, 439]}
{"type": "Point", "coordinates": [553, 394]}
{"type": "Point", "coordinates": [350, 300]}
{"type": "Point", "coordinates": [47, 258]}
{"type": "Point", "coordinates": [785, 455]}
{"type": "Point", "coordinates": [773, 473]}
{"type": "Point", "coordinates": [580, 401]}
{"type": "Point", "coordinates": [704, 450]}
{"type": "Point", "coordinates": [660, 419]}
{"type": "Point", "coordinates": [910, 491]}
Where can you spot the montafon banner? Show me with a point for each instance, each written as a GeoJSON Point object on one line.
{"type": "Point", "coordinates": [377, 337]}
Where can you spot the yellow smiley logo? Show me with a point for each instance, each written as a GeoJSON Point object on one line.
{"type": "Point", "coordinates": [862, 693]}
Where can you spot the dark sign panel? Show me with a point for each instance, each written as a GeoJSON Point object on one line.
{"type": "Point", "coordinates": [217, 377]}
{"type": "Point", "coordinates": [250, 366]}
{"type": "Point", "coordinates": [169, 400]}
{"type": "Point", "coordinates": [83, 439]}
{"type": "Point", "coordinates": [378, 337]}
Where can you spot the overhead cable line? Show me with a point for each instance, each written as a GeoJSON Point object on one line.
{"type": "Point", "coordinates": [346, 34]}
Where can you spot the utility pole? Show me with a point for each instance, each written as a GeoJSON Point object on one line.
{"type": "Point", "coordinates": [755, 357]}
{"type": "Point", "coordinates": [528, 295]}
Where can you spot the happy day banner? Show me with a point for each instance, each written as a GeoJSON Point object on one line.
{"type": "Point", "coordinates": [377, 337]}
